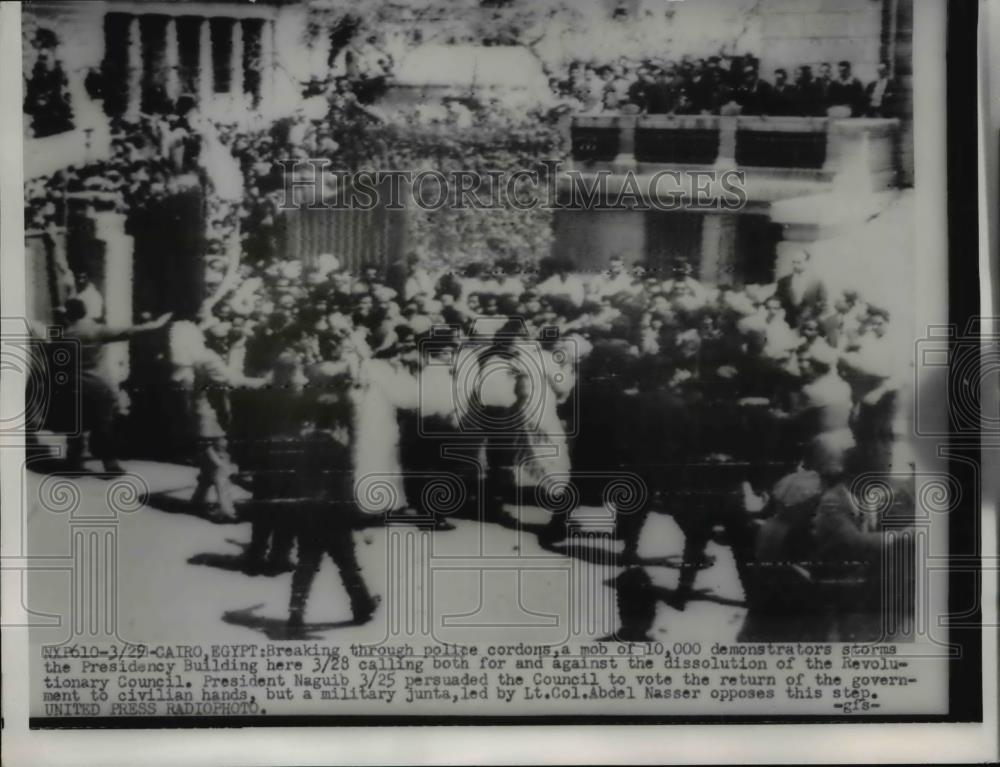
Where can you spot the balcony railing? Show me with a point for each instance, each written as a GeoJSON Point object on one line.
{"type": "Point", "coordinates": [821, 144]}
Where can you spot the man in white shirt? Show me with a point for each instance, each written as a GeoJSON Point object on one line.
{"type": "Point", "coordinates": [825, 397]}
{"type": "Point", "coordinates": [502, 283]}
{"type": "Point", "coordinates": [881, 94]}
{"type": "Point", "coordinates": [419, 280]}
{"type": "Point", "coordinates": [614, 281]}
{"type": "Point", "coordinates": [98, 395]}
{"type": "Point", "coordinates": [780, 341]}
{"type": "Point", "coordinates": [91, 297]}
{"type": "Point", "coordinates": [565, 284]}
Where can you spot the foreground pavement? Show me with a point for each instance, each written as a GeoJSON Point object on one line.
{"type": "Point", "coordinates": [176, 577]}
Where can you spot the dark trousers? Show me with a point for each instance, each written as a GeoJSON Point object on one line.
{"type": "Point", "coordinates": [428, 473]}
{"type": "Point", "coordinates": [272, 535]}
{"type": "Point", "coordinates": [99, 402]}
{"type": "Point", "coordinates": [500, 449]}
{"type": "Point", "coordinates": [697, 524]}
{"type": "Point", "coordinates": [327, 530]}
{"type": "Point", "coordinates": [500, 487]}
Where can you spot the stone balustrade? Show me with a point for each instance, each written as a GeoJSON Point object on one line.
{"type": "Point", "coordinates": [862, 149]}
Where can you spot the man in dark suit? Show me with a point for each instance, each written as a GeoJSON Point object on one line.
{"type": "Point", "coordinates": [881, 94]}
{"type": "Point", "coordinates": [801, 293]}
{"type": "Point", "coordinates": [807, 98]}
{"type": "Point", "coordinates": [753, 94]}
{"type": "Point", "coordinates": [638, 92]}
{"type": "Point", "coordinates": [847, 90]}
{"type": "Point", "coordinates": [661, 97]}
{"type": "Point", "coordinates": [784, 96]}
{"type": "Point", "coordinates": [717, 79]}
{"type": "Point", "coordinates": [823, 82]}
{"type": "Point", "coordinates": [701, 88]}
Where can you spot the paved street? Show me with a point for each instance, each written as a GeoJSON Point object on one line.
{"type": "Point", "coordinates": [178, 578]}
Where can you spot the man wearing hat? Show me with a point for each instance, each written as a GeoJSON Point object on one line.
{"type": "Point", "coordinates": [801, 292]}
{"type": "Point", "coordinates": [427, 430]}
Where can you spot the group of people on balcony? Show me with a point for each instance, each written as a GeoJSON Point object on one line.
{"type": "Point", "coordinates": [730, 85]}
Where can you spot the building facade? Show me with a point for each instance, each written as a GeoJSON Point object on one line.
{"type": "Point", "coordinates": [252, 63]}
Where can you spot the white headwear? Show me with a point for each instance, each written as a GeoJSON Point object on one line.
{"type": "Point", "coordinates": [420, 324]}
{"type": "Point", "coordinates": [186, 343]}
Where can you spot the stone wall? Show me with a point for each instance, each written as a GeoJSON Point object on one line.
{"type": "Point", "coordinates": [782, 33]}
{"type": "Point", "coordinates": [813, 31]}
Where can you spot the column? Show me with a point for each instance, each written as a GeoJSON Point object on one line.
{"type": "Point", "coordinates": [236, 66]}
{"type": "Point", "coordinates": [266, 66]}
{"type": "Point", "coordinates": [565, 127]}
{"type": "Point", "coordinates": [95, 579]}
{"type": "Point", "coordinates": [861, 153]}
{"type": "Point", "coordinates": [834, 140]}
{"type": "Point", "coordinates": [592, 604]}
{"type": "Point", "coordinates": [626, 141]}
{"type": "Point", "coordinates": [899, 582]}
{"type": "Point", "coordinates": [117, 289]}
{"type": "Point", "coordinates": [718, 249]}
{"type": "Point", "coordinates": [206, 74]}
{"type": "Point", "coordinates": [408, 588]}
{"type": "Point", "coordinates": [171, 55]}
{"type": "Point", "coordinates": [854, 176]}
{"type": "Point", "coordinates": [727, 141]}
{"type": "Point", "coordinates": [93, 534]}
{"type": "Point", "coordinates": [134, 100]}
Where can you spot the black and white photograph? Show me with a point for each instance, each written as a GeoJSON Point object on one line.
{"type": "Point", "coordinates": [485, 361]}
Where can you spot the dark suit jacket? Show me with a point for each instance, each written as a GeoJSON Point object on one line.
{"type": "Point", "coordinates": [702, 91]}
{"type": "Point", "coordinates": [809, 99]}
{"type": "Point", "coordinates": [638, 92]}
{"type": "Point", "coordinates": [784, 100]}
{"type": "Point", "coordinates": [850, 94]}
{"type": "Point", "coordinates": [821, 92]}
{"type": "Point", "coordinates": [812, 301]}
{"type": "Point", "coordinates": [661, 98]}
{"type": "Point", "coordinates": [888, 106]}
{"type": "Point", "coordinates": [754, 99]}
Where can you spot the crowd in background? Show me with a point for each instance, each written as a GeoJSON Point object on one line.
{"type": "Point", "coordinates": [726, 85]}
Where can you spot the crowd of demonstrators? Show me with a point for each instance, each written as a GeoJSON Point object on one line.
{"type": "Point", "coordinates": [664, 373]}
{"type": "Point", "coordinates": [308, 379]}
{"type": "Point", "coordinates": [811, 362]}
{"type": "Point", "coordinates": [726, 85]}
